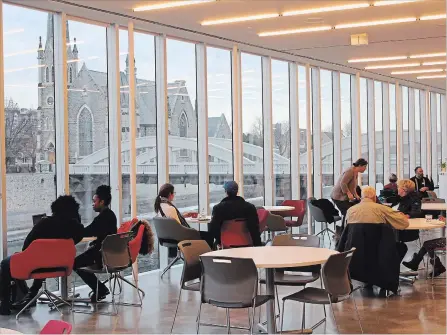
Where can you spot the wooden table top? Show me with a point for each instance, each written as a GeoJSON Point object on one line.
{"type": "Point", "coordinates": [434, 206]}
{"type": "Point", "coordinates": [197, 220]}
{"type": "Point", "coordinates": [278, 208]}
{"type": "Point", "coordinates": [422, 224]}
{"type": "Point", "coordinates": [278, 257]}
{"type": "Point", "coordinates": [9, 331]}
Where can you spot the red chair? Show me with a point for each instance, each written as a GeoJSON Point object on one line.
{"type": "Point", "coordinates": [43, 259]}
{"type": "Point", "coordinates": [298, 213]}
{"type": "Point", "coordinates": [262, 215]}
{"type": "Point", "coordinates": [235, 234]}
{"type": "Point", "coordinates": [56, 327]}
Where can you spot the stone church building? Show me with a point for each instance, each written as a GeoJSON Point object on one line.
{"type": "Point", "coordinates": [88, 107]}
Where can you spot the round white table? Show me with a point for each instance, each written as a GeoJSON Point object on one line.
{"type": "Point", "coordinates": [434, 206]}
{"type": "Point", "coordinates": [270, 258]}
{"type": "Point", "coordinates": [422, 224]}
{"type": "Point", "coordinates": [278, 208]}
{"type": "Point", "coordinates": [9, 331]}
{"type": "Point", "coordinates": [200, 221]}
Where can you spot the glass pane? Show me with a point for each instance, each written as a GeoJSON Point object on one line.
{"type": "Point", "coordinates": [303, 131]}
{"type": "Point", "coordinates": [220, 122]}
{"type": "Point", "coordinates": [281, 131]}
{"type": "Point", "coordinates": [346, 123]}
{"type": "Point", "coordinates": [29, 120]}
{"type": "Point", "coordinates": [417, 125]}
{"type": "Point", "coordinates": [252, 127]}
{"type": "Point", "coordinates": [364, 125]}
{"type": "Point", "coordinates": [182, 120]}
{"type": "Point", "coordinates": [438, 131]}
{"type": "Point", "coordinates": [393, 131]}
{"type": "Point", "coordinates": [327, 133]}
{"type": "Point", "coordinates": [405, 132]}
{"type": "Point", "coordinates": [378, 132]}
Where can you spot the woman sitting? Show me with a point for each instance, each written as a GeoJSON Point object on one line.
{"type": "Point", "coordinates": [163, 206]}
{"type": "Point", "coordinates": [429, 246]}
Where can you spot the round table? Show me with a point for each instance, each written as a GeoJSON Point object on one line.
{"type": "Point", "coordinates": [278, 208]}
{"type": "Point", "coordinates": [200, 221]}
{"type": "Point", "coordinates": [434, 206]}
{"type": "Point", "coordinates": [422, 224]}
{"type": "Point", "coordinates": [270, 258]}
{"type": "Point", "coordinates": [9, 331]}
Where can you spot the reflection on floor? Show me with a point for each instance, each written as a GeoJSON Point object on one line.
{"type": "Point", "coordinates": [420, 308]}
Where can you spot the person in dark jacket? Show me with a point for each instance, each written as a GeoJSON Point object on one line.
{"type": "Point", "coordinates": [422, 184]}
{"type": "Point", "coordinates": [63, 224]}
{"type": "Point", "coordinates": [235, 207]}
{"type": "Point", "coordinates": [103, 225]}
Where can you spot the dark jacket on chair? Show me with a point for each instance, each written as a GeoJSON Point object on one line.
{"type": "Point", "coordinates": [376, 260]}
{"type": "Point", "coordinates": [231, 208]}
{"type": "Point", "coordinates": [327, 207]}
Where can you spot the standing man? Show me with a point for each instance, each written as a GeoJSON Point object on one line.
{"type": "Point", "coordinates": [423, 184]}
{"type": "Point", "coordinates": [344, 194]}
{"type": "Point", "coordinates": [103, 225]}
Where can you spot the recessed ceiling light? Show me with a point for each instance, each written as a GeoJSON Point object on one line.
{"type": "Point", "coordinates": [375, 23]}
{"type": "Point", "coordinates": [325, 9]}
{"type": "Point", "coordinates": [170, 4]}
{"type": "Point", "coordinates": [376, 59]}
{"type": "Point", "coordinates": [390, 66]}
{"type": "Point", "coordinates": [239, 19]}
{"type": "Point", "coordinates": [418, 71]}
{"type": "Point", "coordinates": [432, 77]}
{"type": "Point", "coordinates": [294, 31]}
{"type": "Point", "coordinates": [441, 62]}
{"type": "Point", "coordinates": [436, 54]}
{"type": "Point", "coordinates": [392, 2]}
{"type": "Point", "coordinates": [433, 17]}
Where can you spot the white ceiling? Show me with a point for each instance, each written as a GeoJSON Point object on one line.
{"type": "Point", "coordinates": [329, 46]}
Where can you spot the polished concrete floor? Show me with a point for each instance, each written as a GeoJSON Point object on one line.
{"type": "Point", "coordinates": [419, 309]}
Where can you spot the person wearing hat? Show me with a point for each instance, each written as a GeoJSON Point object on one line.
{"type": "Point", "coordinates": [393, 183]}
{"type": "Point", "coordinates": [235, 207]}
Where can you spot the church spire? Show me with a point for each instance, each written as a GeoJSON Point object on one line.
{"type": "Point", "coordinates": [40, 49]}
{"type": "Point", "coordinates": [75, 49]}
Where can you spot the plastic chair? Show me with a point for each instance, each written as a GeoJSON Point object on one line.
{"type": "Point", "coordinates": [275, 224]}
{"type": "Point", "coordinates": [436, 252]}
{"type": "Point", "coordinates": [318, 216]}
{"type": "Point", "coordinates": [262, 216]}
{"type": "Point", "coordinates": [115, 259]}
{"type": "Point", "coordinates": [170, 233]}
{"type": "Point", "coordinates": [235, 234]}
{"type": "Point", "coordinates": [56, 327]}
{"type": "Point", "coordinates": [298, 212]}
{"type": "Point", "coordinates": [230, 283]}
{"type": "Point", "coordinates": [337, 288]}
{"type": "Point", "coordinates": [43, 259]}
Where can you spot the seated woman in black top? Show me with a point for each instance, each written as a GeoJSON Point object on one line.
{"type": "Point", "coordinates": [103, 225]}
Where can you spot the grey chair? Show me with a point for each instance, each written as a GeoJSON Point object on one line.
{"type": "Point", "coordinates": [230, 283]}
{"type": "Point", "coordinates": [318, 216]}
{"type": "Point", "coordinates": [275, 224]}
{"type": "Point", "coordinates": [337, 288]}
{"type": "Point", "coordinates": [170, 233]}
{"type": "Point", "coordinates": [115, 259]}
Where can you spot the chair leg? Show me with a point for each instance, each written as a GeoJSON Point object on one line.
{"type": "Point", "coordinates": [282, 317]}
{"type": "Point", "coordinates": [303, 321]}
{"type": "Point", "coordinates": [357, 312]}
{"type": "Point", "coordinates": [170, 264]}
{"type": "Point", "coordinates": [28, 304]}
{"type": "Point", "coordinates": [176, 309]}
{"type": "Point", "coordinates": [253, 313]}
{"type": "Point", "coordinates": [228, 321]}
{"type": "Point", "coordinates": [198, 318]}
{"type": "Point", "coordinates": [333, 314]}
{"type": "Point", "coordinates": [324, 307]}
{"type": "Point", "coordinates": [277, 299]}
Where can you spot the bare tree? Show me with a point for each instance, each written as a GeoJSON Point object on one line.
{"type": "Point", "coordinates": [281, 133]}
{"type": "Point", "coordinates": [347, 129]}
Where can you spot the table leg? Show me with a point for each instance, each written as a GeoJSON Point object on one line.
{"type": "Point", "coordinates": [270, 290]}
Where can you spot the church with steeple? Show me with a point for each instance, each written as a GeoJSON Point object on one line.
{"type": "Point", "coordinates": [88, 106]}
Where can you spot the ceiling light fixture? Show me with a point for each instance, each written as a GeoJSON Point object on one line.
{"type": "Point", "coordinates": [418, 71]}
{"type": "Point", "coordinates": [392, 2]}
{"type": "Point", "coordinates": [430, 55]}
{"type": "Point", "coordinates": [170, 4]}
{"type": "Point", "coordinates": [376, 59]}
{"type": "Point", "coordinates": [432, 17]}
{"type": "Point", "coordinates": [240, 19]}
{"type": "Point", "coordinates": [432, 77]}
{"type": "Point", "coordinates": [375, 23]}
{"type": "Point", "coordinates": [294, 31]}
{"type": "Point", "coordinates": [325, 9]}
{"type": "Point", "coordinates": [441, 62]}
{"type": "Point", "coordinates": [390, 66]}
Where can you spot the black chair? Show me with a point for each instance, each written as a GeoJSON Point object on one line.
{"type": "Point", "coordinates": [116, 258]}
{"type": "Point", "coordinates": [170, 233]}
{"type": "Point", "coordinates": [230, 283]}
{"type": "Point", "coordinates": [318, 216]}
{"type": "Point", "coordinates": [337, 288]}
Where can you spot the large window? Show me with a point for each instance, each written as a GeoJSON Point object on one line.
{"type": "Point", "coordinates": [380, 178]}
{"type": "Point", "coordinates": [346, 122]}
{"type": "Point", "coordinates": [302, 91]}
{"type": "Point", "coordinates": [28, 42]}
{"type": "Point", "coordinates": [88, 113]}
{"type": "Point", "coordinates": [281, 131]}
{"type": "Point", "coordinates": [327, 133]}
{"type": "Point", "coordinates": [182, 120]}
{"type": "Point", "coordinates": [252, 127]}
{"type": "Point", "coordinates": [220, 121]}
{"type": "Point", "coordinates": [393, 130]}
{"type": "Point", "coordinates": [364, 125]}
{"type": "Point", "coordinates": [438, 133]}
{"type": "Point", "coordinates": [417, 126]}
{"type": "Point", "coordinates": [405, 132]}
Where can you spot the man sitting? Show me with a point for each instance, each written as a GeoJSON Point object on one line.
{"type": "Point", "coordinates": [63, 224]}
{"type": "Point", "coordinates": [235, 207]}
{"type": "Point", "coordinates": [422, 184]}
{"type": "Point", "coordinates": [102, 226]}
